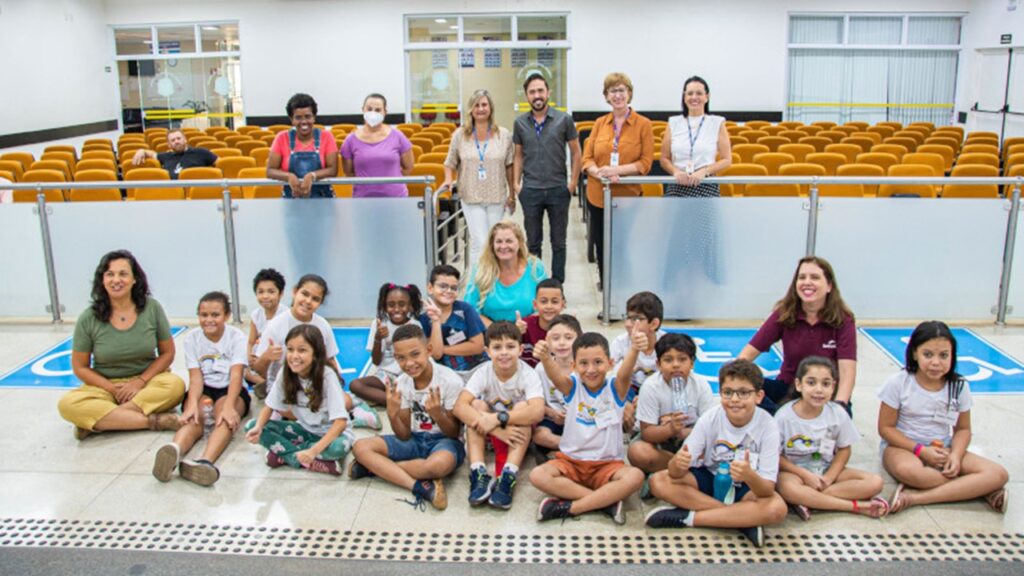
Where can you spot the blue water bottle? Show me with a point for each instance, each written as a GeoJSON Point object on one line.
{"type": "Point", "coordinates": [724, 490]}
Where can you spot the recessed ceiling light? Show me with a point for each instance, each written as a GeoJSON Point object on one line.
{"type": "Point", "coordinates": [440, 20]}
{"type": "Point", "coordinates": [454, 27]}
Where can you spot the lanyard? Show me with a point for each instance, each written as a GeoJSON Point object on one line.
{"type": "Point", "coordinates": [477, 142]}
{"type": "Point", "coordinates": [618, 132]}
{"type": "Point", "coordinates": [538, 127]}
{"type": "Point", "coordinates": [693, 137]}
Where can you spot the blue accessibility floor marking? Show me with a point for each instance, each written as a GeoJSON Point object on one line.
{"type": "Point", "coordinates": [989, 369]}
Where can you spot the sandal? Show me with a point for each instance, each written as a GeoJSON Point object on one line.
{"type": "Point", "coordinates": [998, 500]}
{"type": "Point", "coordinates": [165, 421]}
{"type": "Point", "coordinates": [898, 503]}
{"type": "Point", "coordinates": [879, 507]}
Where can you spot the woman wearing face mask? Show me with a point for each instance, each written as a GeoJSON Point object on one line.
{"type": "Point", "coordinates": [305, 154]}
{"type": "Point", "coordinates": [376, 150]}
{"type": "Point", "coordinates": [480, 158]}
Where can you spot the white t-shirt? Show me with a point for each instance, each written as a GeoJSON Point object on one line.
{"type": "Point", "coordinates": [502, 396]}
{"type": "Point", "coordinates": [444, 379]}
{"type": "Point", "coordinates": [800, 438]}
{"type": "Point", "coordinates": [923, 416]}
{"type": "Point", "coordinates": [552, 396]}
{"type": "Point", "coordinates": [704, 130]}
{"type": "Point", "coordinates": [646, 364]}
{"type": "Point", "coordinates": [259, 319]}
{"type": "Point", "coordinates": [593, 423]}
{"type": "Point", "coordinates": [387, 349]}
{"type": "Point", "coordinates": [332, 407]}
{"type": "Point", "coordinates": [277, 330]}
{"type": "Point", "coordinates": [215, 359]}
{"type": "Point", "coordinates": [657, 398]}
{"type": "Point", "coordinates": [714, 440]}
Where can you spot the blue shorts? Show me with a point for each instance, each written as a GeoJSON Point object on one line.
{"type": "Point", "coordinates": [555, 429]}
{"type": "Point", "coordinates": [421, 445]}
{"type": "Point", "coordinates": [706, 483]}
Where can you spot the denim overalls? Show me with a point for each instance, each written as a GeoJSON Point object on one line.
{"type": "Point", "coordinates": [302, 163]}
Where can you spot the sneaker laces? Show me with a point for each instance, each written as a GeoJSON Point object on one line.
{"type": "Point", "coordinates": [419, 503]}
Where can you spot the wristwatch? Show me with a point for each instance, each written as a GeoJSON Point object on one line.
{"type": "Point", "coordinates": [503, 419]}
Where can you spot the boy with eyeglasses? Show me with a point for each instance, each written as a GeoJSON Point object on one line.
{"type": "Point", "coordinates": [454, 328]}
{"type": "Point", "coordinates": [644, 312]}
{"type": "Point", "coordinates": [739, 435]}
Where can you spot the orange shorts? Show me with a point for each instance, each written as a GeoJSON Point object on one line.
{"type": "Point", "coordinates": [590, 473]}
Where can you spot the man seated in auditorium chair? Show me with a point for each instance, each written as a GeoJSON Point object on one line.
{"type": "Point", "coordinates": [180, 157]}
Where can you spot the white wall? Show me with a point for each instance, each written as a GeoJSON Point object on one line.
{"type": "Point", "coordinates": [987, 21]}
{"type": "Point", "coordinates": [53, 54]}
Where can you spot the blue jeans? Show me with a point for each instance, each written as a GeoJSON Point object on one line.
{"type": "Point", "coordinates": [422, 445]}
{"type": "Point", "coordinates": [556, 201]}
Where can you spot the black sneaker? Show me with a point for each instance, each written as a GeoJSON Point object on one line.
{"type": "Point", "coordinates": [479, 486]}
{"type": "Point", "coordinates": [431, 491]}
{"type": "Point", "coordinates": [667, 517]}
{"type": "Point", "coordinates": [501, 496]}
{"type": "Point", "coordinates": [615, 513]}
{"type": "Point", "coordinates": [552, 508]}
{"type": "Point", "coordinates": [755, 535]}
{"type": "Point", "coordinates": [201, 472]}
{"type": "Point", "coordinates": [357, 470]}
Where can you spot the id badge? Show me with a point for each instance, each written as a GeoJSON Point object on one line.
{"type": "Point", "coordinates": [456, 337]}
{"type": "Point", "coordinates": [827, 447]}
{"type": "Point", "coordinates": [614, 160]}
{"type": "Point", "coordinates": [481, 173]}
{"type": "Point", "coordinates": [689, 167]}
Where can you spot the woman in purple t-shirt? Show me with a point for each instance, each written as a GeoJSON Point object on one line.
{"type": "Point", "coordinates": [810, 320]}
{"type": "Point", "coordinates": [377, 150]}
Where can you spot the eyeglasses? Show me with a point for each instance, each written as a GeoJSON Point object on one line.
{"type": "Point", "coordinates": [447, 287]}
{"type": "Point", "coordinates": [632, 319]}
{"type": "Point", "coordinates": [618, 91]}
{"type": "Point", "coordinates": [742, 393]}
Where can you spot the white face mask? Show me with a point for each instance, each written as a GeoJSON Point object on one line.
{"type": "Point", "coordinates": [373, 119]}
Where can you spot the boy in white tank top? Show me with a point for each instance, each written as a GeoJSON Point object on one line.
{"type": "Point", "coordinates": [588, 473]}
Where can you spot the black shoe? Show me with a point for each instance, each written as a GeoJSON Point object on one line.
{"type": "Point", "coordinates": [552, 508]}
{"type": "Point", "coordinates": [755, 535]}
{"type": "Point", "coordinates": [615, 513]}
{"type": "Point", "coordinates": [667, 517]}
{"type": "Point", "coordinates": [357, 470]}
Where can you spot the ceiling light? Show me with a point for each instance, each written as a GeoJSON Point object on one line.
{"type": "Point", "coordinates": [454, 27]}
{"type": "Point", "coordinates": [440, 20]}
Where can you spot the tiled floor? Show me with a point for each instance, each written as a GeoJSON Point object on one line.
{"type": "Point", "coordinates": [47, 474]}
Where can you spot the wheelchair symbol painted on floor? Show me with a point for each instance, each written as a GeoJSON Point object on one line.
{"type": "Point", "coordinates": [716, 346]}
{"type": "Point", "coordinates": [984, 365]}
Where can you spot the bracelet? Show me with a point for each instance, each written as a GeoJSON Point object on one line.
{"type": "Point", "coordinates": [314, 176]}
{"type": "Point", "coordinates": [917, 450]}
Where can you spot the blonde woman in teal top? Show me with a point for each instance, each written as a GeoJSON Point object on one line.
{"type": "Point", "coordinates": [505, 279]}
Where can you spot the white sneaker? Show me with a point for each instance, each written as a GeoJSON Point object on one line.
{"type": "Point", "coordinates": [166, 461]}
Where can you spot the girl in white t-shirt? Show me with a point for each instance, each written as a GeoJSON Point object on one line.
{"type": "Point", "coordinates": [268, 286]}
{"type": "Point", "coordinates": [925, 425]}
{"type": "Point", "coordinates": [396, 307]}
{"type": "Point", "coordinates": [215, 355]}
{"type": "Point", "coordinates": [310, 389]}
{"type": "Point", "coordinates": [817, 436]}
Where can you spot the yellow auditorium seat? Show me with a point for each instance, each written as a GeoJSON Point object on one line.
{"type": "Point", "coordinates": [896, 126]}
{"type": "Point", "coordinates": [260, 155]}
{"type": "Point", "coordinates": [848, 150]}
{"type": "Point", "coordinates": [894, 149]}
{"type": "Point", "coordinates": [96, 164]}
{"type": "Point", "coordinates": [169, 193]}
{"type": "Point", "coordinates": [62, 148]}
{"type": "Point", "coordinates": [791, 124]}
{"type": "Point", "coordinates": [943, 150]}
{"type": "Point", "coordinates": [856, 190]}
{"type": "Point", "coordinates": [848, 130]}
{"type": "Point", "coordinates": [212, 192]}
{"type": "Point", "coordinates": [740, 169]}
{"type": "Point", "coordinates": [860, 126]}
{"type": "Point", "coordinates": [246, 130]}
{"type": "Point", "coordinates": [754, 135]}
{"type": "Point", "coordinates": [128, 166]}
{"type": "Point", "coordinates": [865, 144]}
{"type": "Point", "coordinates": [98, 155]}
{"type": "Point", "coordinates": [231, 166]}
{"type": "Point", "coordinates": [929, 125]}
{"type": "Point", "coordinates": [773, 161]}
{"type": "Point", "coordinates": [95, 194]}
{"type": "Point", "coordinates": [233, 141]}
{"type": "Point", "coordinates": [937, 162]}
{"type": "Point", "coordinates": [964, 159]}
{"type": "Point", "coordinates": [64, 156]}
{"type": "Point", "coordinates": [748, 151]}
{"type": "Point", "coordinates": [652, 190]}
{"type": "Point", "coordinates": [830, 161]}
{"type": "Point", "coordinates": [800, 169]}
{"type": "Point", "coordinates": [260, 191]}
{"type": "Point", "coordinates": [1013, 160]}
{"type": "Point", "coordinates": [971, 148]}
{"type": "Point", "coordinates": [1008, 146]}
{"type": "Point", "coordinates": [824, 124]}
{"type": "Point", "coordinates": [432, 158]}
{"type": "Point", "coordinates": [435, 170]}
{"type": "Point", "coordinates": [909, 143]}
{"type": "Point", "coordinates": [773, 142]}
{"type": "Point", "coordinates": [972, 190]}
{"type": "Point", "coordinates": [835, 136]}
{"type": "Point", "coordinates": [818, 142]}
{"type": "Point", "coordinates": [416, 127]}
{"type": "Point", "coordinates": [773, 129]}
{"type": "Point", "coordinates": [424, 143]}
{"type": "Point", "coordinates": [24, 158]}
{"type": "Point", "coordinates": [41, 175]}
{"type": "Point", "coordinates": [107, 142]}
{"type": "Point", "coordinates": [883, 131]}
{"type": "Point", "coordinates": [14, 167]}
{"type": "Point", "coordinates": [417, 151]}
{"type": "Point", "coordinates": [58, 165]}
{"type": "Point", "coordinates": [810, 130]}
{"type": "Point", "coordinates": [227, 152]}
{"type": "Point", "coordinates": [794, 136]}
{"type": "Point", "coordinates": [798, 151]}
{"type": "Point", "coordinates": [246, 147]}
{"type": "Point", "coordinates": [737, 139]}
{"type": "Point", "coordinates": [757, 124]}
{"type": "Point", "coordinates": [879, 159]}
{"type": "Point", "coordinates": [905, 171]}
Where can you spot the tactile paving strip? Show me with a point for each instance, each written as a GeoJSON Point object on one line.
{"type": "Point", "coordinates": [673, 548]}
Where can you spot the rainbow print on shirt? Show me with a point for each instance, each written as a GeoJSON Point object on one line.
{"type": "Point", "coordinates": [805, 440]}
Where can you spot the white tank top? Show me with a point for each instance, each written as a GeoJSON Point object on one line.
{"type": "Point", "coordinates": [593, 423]}
{"type": "Point", "coordinates": [704, 136]}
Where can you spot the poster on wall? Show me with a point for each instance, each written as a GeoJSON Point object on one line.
{"type": "Point", "coordinates": [467, 58]}
{"type": "Point", "coordinates": [492, 58]}
{"type": "Point", "coordinates": [518, 57]}
{"type": "Point", "coordinates": [439, 59]}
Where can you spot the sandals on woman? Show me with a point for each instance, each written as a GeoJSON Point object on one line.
{"type": "Point", "coordinates": [898, 502]}
{"type": "Point", "coordinates": [998, 500]}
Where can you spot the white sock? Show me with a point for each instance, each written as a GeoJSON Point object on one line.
{"type": "Point", "coordinates": [511, 468]}
{"type": "Point", "coordinates": [477, 466]}
{"type": "Point", "coordinates": [689, 518]}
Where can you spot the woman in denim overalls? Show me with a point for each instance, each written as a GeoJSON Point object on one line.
{"type": "Point", "coordinates": [303, 168]}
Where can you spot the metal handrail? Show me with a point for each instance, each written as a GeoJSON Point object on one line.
{"type": "Point", "coordinates": [807, 180]}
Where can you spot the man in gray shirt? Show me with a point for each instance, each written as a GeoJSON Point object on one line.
{"type": "Point", "coordinates": [538, 173]}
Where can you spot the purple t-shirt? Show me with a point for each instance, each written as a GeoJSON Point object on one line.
{"type": "Point", "coordinates": [380, 159]}
{"type": "Point", "coordinates": [802, 340]}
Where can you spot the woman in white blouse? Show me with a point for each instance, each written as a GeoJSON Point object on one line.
{"type": "Point", "coordinates": [692, 142]}
{"type": "Point", "coordinates": [480, 157]}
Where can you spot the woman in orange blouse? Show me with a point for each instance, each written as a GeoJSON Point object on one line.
{"type": "Point", "coordinates": [620, 144]}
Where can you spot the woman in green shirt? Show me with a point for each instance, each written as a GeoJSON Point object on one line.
{"type": "Point", "coordinates": [121, 351]}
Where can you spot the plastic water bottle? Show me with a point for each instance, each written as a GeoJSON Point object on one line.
{"type": "Point", "coordinates": [207, 408]}
{"type": "Point", "coordinates": [817, 464]}
{"type": "Point", "coordinates": [678, 386]}
{"type": "Point", "coordinates": [725, 492]}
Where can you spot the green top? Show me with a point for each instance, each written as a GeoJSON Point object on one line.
{"type": "Point", "coordinates": [122, 353]}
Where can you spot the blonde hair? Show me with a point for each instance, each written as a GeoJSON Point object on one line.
{"type": "Point", "coordinates": [469, 127]}
{"type": "Point", "coordinates": [614, 79]}
{"type": "Point", "coordinates": [487, 269]}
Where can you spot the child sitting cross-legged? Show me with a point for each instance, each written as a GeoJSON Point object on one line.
{"type": "Point", "coordinates": [588, 473]}
{"type": "Point", "coordinates": [562, 333]}
{"type": "Point", "coordinates": [503, 400]}
{"type": "Point", "coordinates": [735, 439]}
{"type": "Point", "coordinates": [425, 446]}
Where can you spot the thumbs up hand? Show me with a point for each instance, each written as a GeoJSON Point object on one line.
{"type": "Point", "coordinates": [520, 323]}
{"type": "Point", "coordinates": [740, 469]}
{"type": "Point", "coordinates": [639, 339]}
{"type": "Point", "coordinates": [680, 463]}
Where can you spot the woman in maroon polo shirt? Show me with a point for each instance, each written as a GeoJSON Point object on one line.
{"type": "Point", "coordinates": [810, 320]}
